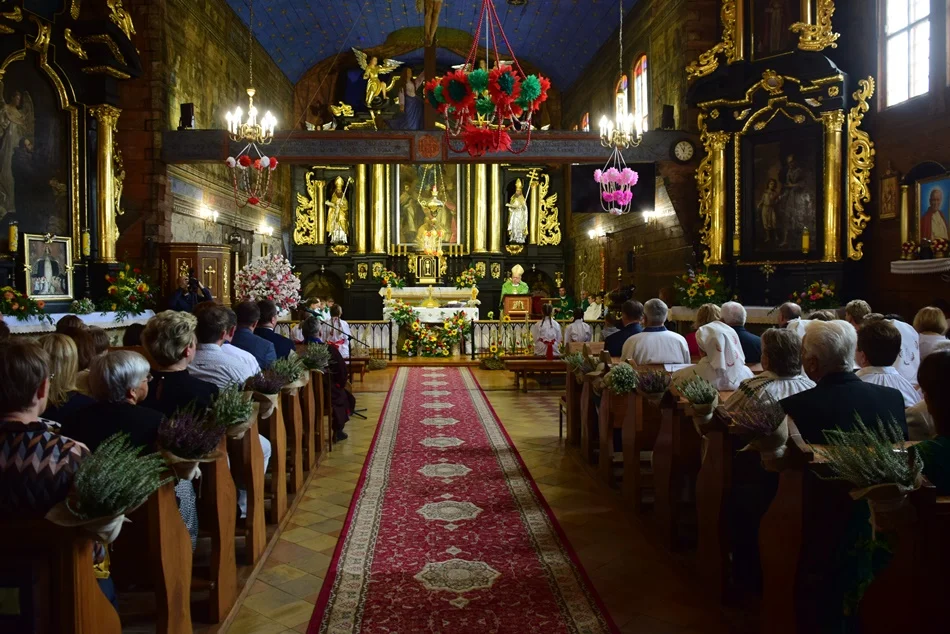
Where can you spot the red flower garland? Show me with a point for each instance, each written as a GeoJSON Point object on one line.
{"type": "Point", "coordinates": [500, 96]}
{"type": "Point", "coordinates": [457, 92]}
{"type": "Point", "coordinates": [481, 140]}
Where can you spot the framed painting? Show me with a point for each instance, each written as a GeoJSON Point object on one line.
{"type": "Point", "coordinates": [770, 21]}
{"type": "Point", "coordinates": [889, 195]}
{"type": "Point", "coordinates": [49, 266]}
{"type": "Point", "coordinates": [429, 196]}
{"type": "Point", "coordinates": [782, 193]}
{"type": "Point", "coordinates": [933, 200]}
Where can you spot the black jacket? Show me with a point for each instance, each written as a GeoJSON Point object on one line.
{"type": "Point", "coordinates": [185, 301]}
{"type": "Point", "coordinates": [835, 401]}
{"type": "Point", "coordinates": [751, 344]}
{"type": "Point", "coordinates": [94, 424]}
{"type": "Point", "coordinates": [282, 345]}
{"type": "Point", "coordinates": [614, 343]}
{"type": "Point", "coordinates": [170, 391]}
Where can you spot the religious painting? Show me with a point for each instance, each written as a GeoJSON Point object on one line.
{"type": "Point", "coordinates": [933, 201]}
{"type": "Point", "coordinates": [890, 196]}
{"type": "Point", "coordinates": [782, 185]}
{"type": "Point", "coordinates": [34, 154]}
{"type": "Point", "coordinates": [771, 20]}
{"type": "Point", "coordinates": [429, 202]}
{"type": "Point", "coordinates": [49, 267]}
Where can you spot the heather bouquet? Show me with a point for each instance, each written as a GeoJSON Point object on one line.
{"type": "Point", "coordinates": [129, 293]}
{"type": "Point", "coordinates": [13, 302]}
{"type": "Point", "coordinates": [234, 409]}
{"type": "Point", "coordinates": [316, 357]}
{"type": "Point", "coordinates": [265, 387]}
{"type": "Point", "coordinates": [653, 384]}
{"type": "Point", "coordinates": [621, 379]}
{"type": "Point", "coordinates": [695, 288]}
{"type": "Point", "coordinates": [878, 463]}
{"type": "Point", "coordinates": [702, 395]}
{"type": "Point", "coordinates": [114, 480]}
{"type": "Point", "coordinates": [188, 437]}
{"type": "Point", "coordinates": [468, 278]}
{"type": "Point", "coordinates": [762, 420]}
{"type": "Point", "coordinates": [269, 277]}
{"type": "Point", "coordinates": [817, 296]}
{"type": "Point", "coordinates": [293, 370]}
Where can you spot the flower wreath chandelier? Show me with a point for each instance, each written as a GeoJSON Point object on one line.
{"type": "Point", "coordinates": [251, 169]}
{"type": "Point", "coordinates": [617, 180]}
{"type": "Point", "coordinates": [481, 105]}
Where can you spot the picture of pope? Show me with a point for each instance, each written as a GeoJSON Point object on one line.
{"type": "Point", "coordinates": [933, 219]}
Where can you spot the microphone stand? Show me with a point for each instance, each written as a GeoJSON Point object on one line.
{"type": "Point", "coordinates": [355, 412]}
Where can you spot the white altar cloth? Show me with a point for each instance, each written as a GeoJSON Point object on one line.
{"type": "Point", "coordinates": [754, 314]}
{"type": "Point", "coordinates": [106, 321]}
{"type": "Point", "coordinates": [416, 295]}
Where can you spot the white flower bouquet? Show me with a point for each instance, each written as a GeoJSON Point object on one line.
{"type": "Point", "coordinates": [271, 277]}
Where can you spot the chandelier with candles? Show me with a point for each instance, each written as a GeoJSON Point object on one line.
{"type": "Point", "coordinates": [616, 180]}
{"type": "Point", "coordinates": [251, 169]}
{"type": "Point", "coordinates": [481, 105]}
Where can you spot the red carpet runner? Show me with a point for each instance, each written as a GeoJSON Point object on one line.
{"type": "Point", "coordinates": [447, 531]}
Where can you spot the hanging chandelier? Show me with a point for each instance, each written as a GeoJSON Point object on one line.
{"type": "Point", "coordinates": [617, 180]}
{"type": "Point", "coordinates": [251, 169]}
{"type": "Point", "coordinates": [482, 105]}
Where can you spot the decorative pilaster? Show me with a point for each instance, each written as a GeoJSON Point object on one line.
{"type": "Point", "coordinates": [834, 124]}
{"type": "Point", "coordinates": [320, 217]}
{"type": "Point", "coordinates": [107, 117]}
{"type": "Point", "coordinates": [497, 195]}
{"type": "Point", "coordinates": [480, 220]}
{"type": "Point", "coordinates": [360, 222]}
{"type": "Point", "coordinates": [379, 209]}
{"type": "Point", "coordinates": [534, 211]}
{"type": "Point", "coordinates": [711, 181]}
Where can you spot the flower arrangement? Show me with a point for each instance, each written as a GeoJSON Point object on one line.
{"type": "Point", "coordinates": [457, 327]}
{"type": "Point", "coordinates": [621, 379]}
{"type": "Point", "coordinates": [909, 250]}
{"type": "Point", "coordinates": [817, 296]}
{"type": "Point", "coordinates": [391, 279]}
{"type": "Point", "coordinates": [20, 306]}
{"type": "Point", "coordinates": [940, 247]}
{"type": "Point", "coordinates": [694, 288]}
{"type": "Point", "coordinates": [316, 356]}
{"type": "Point", "coordinates": [760, 415]}
{"type": "Point", "coordinates": [266, 382]}
{"type": "Point", "coordinates": [129, 293]}
{"type": "Point", "coordinates": [698, 391]}
{"type": "Point", "coordinates": [84, 306]}
{"type": "Point", "coordinates": [190, 434]}
{"type": "Point", "coordinates": [231, 406]}
{"type": "Point", "coordinates": [653, 383]}
{"type": "Point", "coordinates": [426, 342]}
{"type": "Point", "coordinates": [615, 186]}
{"type": "Point", "coordinates": [402, 313]}
{"type": "Point", "coordinates": [468, 278]}
{"type": "Point", "coordinates": [270, 277]}
{"type": "Point", "coordinates": [290, 369]}
{"type": "Point", "coordinates": [493, 361]}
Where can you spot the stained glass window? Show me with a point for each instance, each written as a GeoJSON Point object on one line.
{"type": "Point", "coordinates": [906, 49]}
{"type": "Point", "coordinates": [641, 94]}
{"type": "Point", "coordinates": [620, 98]}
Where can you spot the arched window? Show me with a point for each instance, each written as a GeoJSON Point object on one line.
{"type": "Point", "coordinates": [906, 49]}
{"type": "Point", "coordinates": [641, 94]}
{"type": "Point", "coordinates": [585, 122]}
{"type": "Point", "coordinates": [621, 101]}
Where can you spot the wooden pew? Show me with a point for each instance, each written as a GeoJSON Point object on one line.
{"type": "Point", "coordinates": [247, 460]}
{"type": "Point", "coordinates": [274, 429]}
{"type": "Point", "coordinates": [523, 367]}
{"type": "Point", "coordinates": [217, 506]}
{"type": "Point", "coordinates": [51, 569]}
{"type": "Point", "coordinates": [154, 550]}
{"type": "Point", "coordinates": [320, 381]}
{"type": "Point", "coordinates": [356, 365]}
{"type": "Point", "coordinates": [676, 461]}
{"type": "Point", "coordinates": [613, 408]}
{"type": "Point", "coordinates": [588, 419]}
{"type": "Point", "coordinates": [312, 414]}
{"type": "Point", "coordinates": [293, 421]}
{"type": "Point", "coordinates": [572, 395]}
{"type": "Point", "coordinates": [641, 426]}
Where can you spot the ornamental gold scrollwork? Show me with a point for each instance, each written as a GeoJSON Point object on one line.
{"type": "Point", "coordinates": [40, 43]}
{"type": "Point", "coordinates": [362, 270]}
{"type": "Point", "coordinates": [860, 163]}
{"type": "Point", "coordinates": [14, 16]}
{"type": "Point", "coordinates": [818, 36]}
{"type": "Point", "coordinates": [709, 61]}
{"type": "Point", "coordinates": [496, 270]}
{"type": "Point", "coordinates": [118, 171]}
{"type": "Point", "coordinates": [121, 17]}
{"type": "Point", "coordinates": [74, 46]}
{"type": "Point", "coordinates": [305, 223]}
{"type": "Point", "coordinates": [377, 270]}
{"type": "Point", "coordinates": [480, 268]}
{"type": "Point", "coordinates": [106, 41]}
{"type": "Point", "coordinates": [549, 229]}
{"type": "Point", "coordinates": [74, 9]}
{"type": "Point", "coordinates": [706, 175]}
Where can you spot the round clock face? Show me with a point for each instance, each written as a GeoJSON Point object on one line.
{"type": "Point", "coordinates": [683, 151]}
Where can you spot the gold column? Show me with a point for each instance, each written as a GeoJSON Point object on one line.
{"type": "Point", "coordinates": [379, 209]}
{"type": "Point", "coordinates": [494, 223]}
{"type": "Point", "coordinates": [480, 221]}
{"type": "Point", "coordinates": [905, 213]}
{"type": "Point", "coordinates": [535, 212]}
{"type": "Point", "coordinates": [834, 123]}
{"type": "Point", "coordinates": [360, 223]}
{"type": "Point", "coordinates": [738, 33]}
{"type": "Point", "coordinates": [807, 16]}
{"type": "Point", "coordinates": [717, 221]}
{"type": "Point", "coordinates": [320, 221]}
{"type": "Point", "coordinates": [107, 116]}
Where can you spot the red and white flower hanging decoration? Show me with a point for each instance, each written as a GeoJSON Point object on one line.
{"type": "Point", "coordinates": [251, 177]}
{"type": "Point", "coordinates": [616, 182]}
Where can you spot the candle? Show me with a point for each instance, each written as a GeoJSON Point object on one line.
{"type": "Point", "coordinates": [86, 244]}
{"type": "Point", "coordinates": [806, 241]}
{"type": "Point", "coordinates": [14, 235]}
{"type": "Point", "coordinates": [736, 247]}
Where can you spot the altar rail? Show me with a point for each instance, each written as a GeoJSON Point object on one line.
{"type": "Point", "coordinates": [486, 333]}
{"type": "Point", "coordinates": [378, 335]}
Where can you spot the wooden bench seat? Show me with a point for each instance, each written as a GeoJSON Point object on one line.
{"type": "Point", "coordinates": [539, 365]}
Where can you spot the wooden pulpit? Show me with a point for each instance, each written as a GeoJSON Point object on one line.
{"type": "Point", "coordinates": [211, 264]}
{"type": "Point", "coordinates": [517, 306]}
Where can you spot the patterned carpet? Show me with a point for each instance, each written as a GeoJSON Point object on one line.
{"type": "Point", "coordinates": [448, 532]}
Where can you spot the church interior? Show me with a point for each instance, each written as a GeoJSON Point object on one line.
{"type": "Point", "coordinates": [457, 316]}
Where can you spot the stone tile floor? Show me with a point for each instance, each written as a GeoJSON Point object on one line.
{"type": "Point", "coordinates": [646, 589]}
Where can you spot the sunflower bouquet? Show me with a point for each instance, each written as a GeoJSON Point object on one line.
{"type": "Point", "coordinates": [402, 313]}
{"type": "Point", "coordinates": [457, 327]}
{"type": "Point", "coordinates": [817, 296]}
{"type": "Point", "coordinates": [695, 288]}
{"type": "Point", "coordinates": [391, 279]}
{"type": "Point", "coordinates": [468, 278]}
{"type": "Point", "coordinates": [129, 293]}
{"type": "Point", "coordinates": [20, 306]}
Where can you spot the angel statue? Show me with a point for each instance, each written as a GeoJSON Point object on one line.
{"type": "Point", "coordinates": [16, 133]}
{"type": "Point", "coordinates": [337, 215]}
{"type": "Point", "coordinates": [375, 87]}
{"type": "Point", "coordinates": [517, 215]}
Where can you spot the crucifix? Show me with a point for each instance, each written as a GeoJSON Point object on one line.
{"type": "Point", "coordinates": [209, 276]}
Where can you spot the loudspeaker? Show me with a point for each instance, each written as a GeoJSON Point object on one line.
{"type": "Point", "coordinates": [187, 121]}
{"type": "Point", "coordinates": [668, 122]}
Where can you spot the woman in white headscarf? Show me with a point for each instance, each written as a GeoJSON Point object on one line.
{"type": "Point", "coordinates": [722, 362]}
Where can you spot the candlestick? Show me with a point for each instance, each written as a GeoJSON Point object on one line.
{"type": "Point", "coordinates": [86, 244]}
{"type": "Point", "coordinates": [14, 236]}
{"type": "Point", "coordinates": [806, 241]}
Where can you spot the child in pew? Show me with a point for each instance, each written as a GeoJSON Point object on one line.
{"type": "Point", "coordinates": [610, 326]}
{"type": "Point", "coordinates": [578, 331]}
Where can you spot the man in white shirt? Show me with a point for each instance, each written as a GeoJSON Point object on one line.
{"type": "Point", "coordinates": [656, 344]}
{"type": "Point", "coordinates": [578, 331]}
{"type": "Point", "coordinates": [879, 344]}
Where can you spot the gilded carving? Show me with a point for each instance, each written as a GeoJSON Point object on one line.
{"type": "Point", "coordinates": [73, 45]}
{"type": "Point", "coordinates": [496, 270]}
{"type": "Point", "coordinates": [106, 41]}
{"type": "Point", "coordinates": [14, 16]}
{"type": "Point", "coordinates": [121, 17]}
{"type": "Point", "coordinates": [710, 183]}
{"type": "Point", "coordinates": [118, 171]}
{"type": "Point", "coordinates": [74, 9]}
{"type": "Point", "coordinates": [860, 163]}
{"type": "Point", "coordinates": [41, 42]}
{"type": "Point", "coordinates": [305, 223]}
{"type": "Point", "coordinates": [377, 269]}
{"type": "Point", "coordinates": [818, 36]}
{"type": "Point", "coordinates": [549, 229]}
{"type": "Point", "coordinates": [362, 270]}
{"type": "Point", "coordinates": [226, 279]}
{"type": "Point", "coordinates": [480, 268]}
{"type": "Point", "coordinates": [709, 61]}
{"type": "Point", "coordinates": [106, 70]}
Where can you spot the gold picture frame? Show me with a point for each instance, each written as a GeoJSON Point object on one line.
{"type": "Point", "coordinates": [48, 264]}
{"type": "Point", "coordinates": [925, 187]}
{"type": "Point", "coordinates": [890, 195]}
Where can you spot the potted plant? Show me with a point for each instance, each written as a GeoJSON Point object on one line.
{"type": "Point", "coordinates": [878, 463]}
{"type": "Point", "coordinates": [703, 398]}
{"type": "Point", "coordinates": [111, 482]}
{"type": "Point", "coordinates": [234, 409]}
{"type": "Point", "coordinates": [653, 384]}
{"type": "Point", "coordinates": [265, 387]}
{"type": "Point", "coordinates": [187, 438]}
{"type": "Point", "coordinates": [316, 357]}
{"type": "Point", "coordinates": [762, 420]}
{"type": "Point", "coordinates": [909, 250]}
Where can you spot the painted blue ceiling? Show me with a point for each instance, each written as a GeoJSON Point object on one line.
{"type": "Point", "coordinates": [559, 36]}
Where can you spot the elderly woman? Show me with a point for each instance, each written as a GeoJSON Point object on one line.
{"type": "Point", "coordinates": [782, 365]}
{"type": "Point", "coordinates": [722, 362]}
{"type": "Point", "coordinates": [931, 324]}
{"type": "Point", "coordinates": [63, 398]}
{"type": "Point", "coordinates": [169, 340]}
{"type": "Point", "coordinates": [707, 313]}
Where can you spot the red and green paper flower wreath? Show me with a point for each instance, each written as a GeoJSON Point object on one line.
{"type": "Point", "coordinates": [504, 85]}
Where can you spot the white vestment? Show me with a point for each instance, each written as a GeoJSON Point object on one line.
{"type": "Point", "coordinates": [657, 347]}
{"type": "Point", "coordinates": [546, 332]}
{"type": "Point", "coordinates": [929, 341]}
{"type": "Point", "coordinates": [594, 312]}
{"type": "Point", "coordinates": [908, 361]}
{"type": "Point", "coordinates": [335, 338]}
{"type": "Point", "coordinates": [778, 387]}
{"type": "Point", "coordinates": [724, 362]}
{"type": "Point", "coordinates": [889, 377]}
{"type": "Point", "coordinates": [578, 331]}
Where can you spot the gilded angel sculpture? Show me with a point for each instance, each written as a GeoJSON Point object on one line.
{"type": "Point", "coordinates": [375, 86]}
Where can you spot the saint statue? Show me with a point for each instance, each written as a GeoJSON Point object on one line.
{"type": "Point", "coordinates": [375, 87]}
{"type": "Point", "coordinates": [517, 215]}
{"type": "Point", "coordinates": [337, 214]}
{"type": "Point", "coordinates": [515, 286]}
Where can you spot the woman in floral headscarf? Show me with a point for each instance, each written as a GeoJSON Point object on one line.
{"type": "Point", "coordinates": [722, 362]}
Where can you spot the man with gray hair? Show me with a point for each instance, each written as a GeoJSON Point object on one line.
{"type": "Point", "coordinates": [656, 344]}
{"type": "Point", "coordinates": [828, 358]}
{"type": "Point", "coordinates": [734, 315]}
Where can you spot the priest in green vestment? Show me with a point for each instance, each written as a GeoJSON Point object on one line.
{"type": "Point", "coordinates": [514, 286]}
{"type": "Point", "coordinates": [585, 301]}
{"type": "Point", "coordinates": [564, 305]}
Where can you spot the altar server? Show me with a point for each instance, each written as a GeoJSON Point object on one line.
{"type": "Point", "coordinates": [579, 331]}
{"type": "Point", "coordinates": [337, 332]}
{"type": "Point", "coordinates": [879, 347]}
{"type": "Point", "coordinates": [723, 361]}
{"type": "Point", "coordinates": [656, 344]}
{"type": "Point", "coordinates": [594, 310]}
{"type": "Point", "coordinates": [547, 334]}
